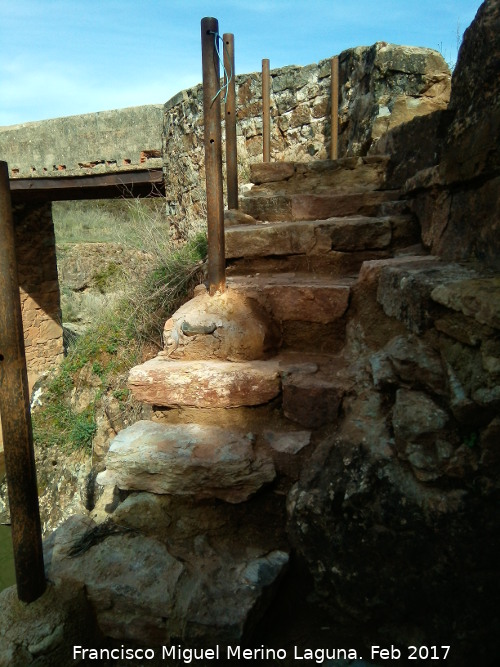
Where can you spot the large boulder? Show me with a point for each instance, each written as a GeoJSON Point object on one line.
{"type": "Point", "coordinates": [140, 592]}
{"type": "Point", "coordinates": [186, 460]}
{"type": "Point", "coordinates": [226, 326]}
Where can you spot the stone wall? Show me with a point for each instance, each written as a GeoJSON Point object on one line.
{"type": "Point", "coordinates": [113, 140]}
{"type": "Point", "coordinates": [381, 86]}
{"type": "Point", "coordinates": [39, 287]}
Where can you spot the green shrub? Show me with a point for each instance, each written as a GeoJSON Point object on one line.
{"type": "Point", "coordinates": [115, 343]}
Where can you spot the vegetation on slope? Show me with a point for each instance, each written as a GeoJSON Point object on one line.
{"type": "Point", "coordinates": [126, 332]}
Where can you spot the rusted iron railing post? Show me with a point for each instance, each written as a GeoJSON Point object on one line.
{"type": "Point", "coordinates": [15, 411]}
{"type": "Point", "coordinates": [266, 111]}
{"type": "Point", "coordinates": [213, 155]}
{"type": "Point", "coordinates": [334, 150]}
{"type": "Point", "coordinates": [231, 148]}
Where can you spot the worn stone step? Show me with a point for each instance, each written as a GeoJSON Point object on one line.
{"type": "Point", "coordinates": [297, 296]}
{"type": "Point", "coordinates": [319, 237]}
{"type": "Point", "coordinates": [204, 384]}
{"type": "Point", "coordinates": [187, 460]}
{"type": "Point", "coordinates": [334, 264]}
{"type": "Point", "coordinates": [342, 175]}
{"type": "Point", "coordinates": [313, 387]}
{"type": "Point", "coordinates": [315, 206]}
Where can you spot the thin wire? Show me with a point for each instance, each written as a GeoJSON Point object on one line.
{"type": "Point", "coordinates": [227, 79]}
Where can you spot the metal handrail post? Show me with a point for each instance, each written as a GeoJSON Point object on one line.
{"type": "Point", "coordinates": [15, 410]}
{"type": "Point", "coordinates": [266, 111]}
{"type": "Point", "coordinates": [334, 150]}
{"type": "Point", "coordinates": [213, 155]}
{"type": "Point", "coordinates": [231, 147]}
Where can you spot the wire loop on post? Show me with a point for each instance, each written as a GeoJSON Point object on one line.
{"type": "Point", "coordinates": [227, 79]}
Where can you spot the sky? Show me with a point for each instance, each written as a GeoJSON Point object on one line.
{"type": "Point", "coordinates": [67, 57]}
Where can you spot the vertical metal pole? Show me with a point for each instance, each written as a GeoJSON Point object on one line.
{"type": "Point", "coordinates": [15, 411]}
{"type": "Point", "coordinates": [266, 109]}
{"type": "Point", "coordinates": [213, 156]}
{"type": "Point", "coordinates": [231, 150]}
{"type": "Point", "coordinates": [334, 151]}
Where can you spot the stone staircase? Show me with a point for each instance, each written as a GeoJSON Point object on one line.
{"type": "Point", "coordinates": [294, 253]}
{"type": "Point", "coordinates": [251, 378]}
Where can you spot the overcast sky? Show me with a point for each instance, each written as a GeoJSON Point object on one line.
{"type": "Point", "coordinates": [65, 57]}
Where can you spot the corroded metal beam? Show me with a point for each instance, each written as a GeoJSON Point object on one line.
{"type": "Point", "coordinates": [99, 186]}
{"type": "Point", "coordinates": [15, 411]}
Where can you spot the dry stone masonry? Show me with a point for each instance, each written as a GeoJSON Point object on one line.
{"type": "Point", "coordinates": [381, 87]}
{"type": "Point", "coordinates": [38, 280]}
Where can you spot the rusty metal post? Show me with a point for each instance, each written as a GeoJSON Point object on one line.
{"type": "Point", "coordinates": [213, 156]}
{"type": "Point", "coordinates": [334, 151]}
{"type": "Point", "coordinates": [15, 411]}
{"type": "Point", "coordinates": [231, 149]}
{"type": "Point", "coordinates": [266, 111]}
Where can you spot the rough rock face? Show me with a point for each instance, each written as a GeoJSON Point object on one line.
{"type": "Point", "coordinates": [43, 633]}
{"type": "Point", "coordinates": [395, 514]}
{"type": "Point", "coordinates": [405, 82]}
{"type": "Point", "coordinates": [471, 150]}
{"type": "Point", "coordinates": [90, 274]}
{"type": "Point", "coordinates": [450, 159]}
{"type": "Point", "coordinates": [183, 582]}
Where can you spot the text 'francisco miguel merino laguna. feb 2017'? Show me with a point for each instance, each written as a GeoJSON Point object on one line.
{"type": "Point", "coordinates": [319, 655]}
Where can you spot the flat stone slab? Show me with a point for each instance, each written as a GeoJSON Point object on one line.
{"type": "Point", "coordinates": [309, 237]}
{"type": "Point", "coordinates": [297, 296]}
{"type": "Point", "coordinates": [316, 206]}
{"type": "Point", "coordinates": [342, 175]}
{"type": "Point", "coordinates": [268, 172]}
{"type": "Point", "coordinates": [205, 384]}
{"type": "Point", "coordinates": [186, 460]}
{"type": "Point", "coordinates": [404, 288]}
{"type": "Point", "coordinates": [478, 298]}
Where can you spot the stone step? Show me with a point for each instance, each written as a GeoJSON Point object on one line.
{"type": "Point", "coordinates": [342, 175]}
{"type": "Point", "coordinates": [316, 238]}
{"type": "Point", "coordinates": [187, 460]}
{"type": "Point", "coordinates": [333, 264]}
{"type": "Point", "coordinates": [309, 308]}
{"type": "Point", "coordinates": [297, 296]}
{"type": "Point", "coordinates": [315, 206]}
{"type": "Point", "coordinates": [204, 384]}
{"type": "Point", "coordinates": [313, 387]}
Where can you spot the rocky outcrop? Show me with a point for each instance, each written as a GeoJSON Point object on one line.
{"type": "Point", "coordinates": [90, 275]}
{"type": "Point", "coordinates": [187, 582]}
{"type": "Point", "coordinates": [394, 510]}
{"type": "Point", "coordinates": [449, 160]}
{"type": "Point", "coordinates": [44, 632]}
{"type": "Point", "coordinates": [405, 82]}
{"type": "Point", "coordinates": [366, 444]}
